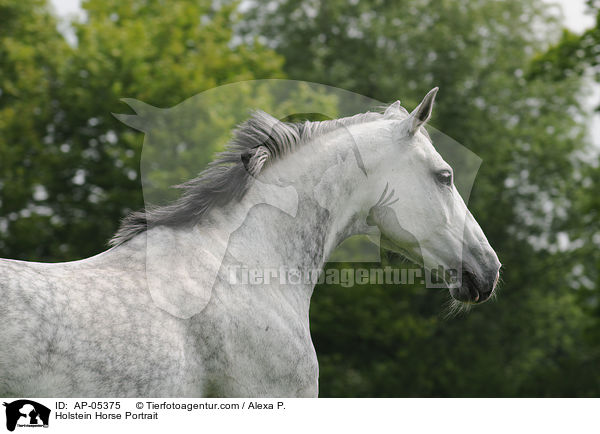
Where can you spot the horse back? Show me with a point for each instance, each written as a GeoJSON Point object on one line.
{"type": "Point", "coordinates": [86, 328]}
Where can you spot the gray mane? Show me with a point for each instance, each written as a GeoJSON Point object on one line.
{"type": "Point", "coordinates": [256, 143]}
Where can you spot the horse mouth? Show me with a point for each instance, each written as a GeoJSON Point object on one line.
{"type": "Point", "coordinates": [472, 289]}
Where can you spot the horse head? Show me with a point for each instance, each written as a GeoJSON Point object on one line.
{"type": "Point", "coordinates": [418, 209]}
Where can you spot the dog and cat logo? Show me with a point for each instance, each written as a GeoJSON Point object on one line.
{"type": "Point", "coordinates": [25, 413]}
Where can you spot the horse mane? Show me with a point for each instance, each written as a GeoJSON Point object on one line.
{"type": "Point", "coordinates": [256, 143]}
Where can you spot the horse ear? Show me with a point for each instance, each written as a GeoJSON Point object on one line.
{"type": "Point", "coordinates": [255, 159]}
{"type": "Point", "coordinates": [422, 113]}
{"type": "Point", "coordinates": [392, 110]}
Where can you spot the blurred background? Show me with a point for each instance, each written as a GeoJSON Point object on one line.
{"type": "Point", "coordinates": [518, 86]}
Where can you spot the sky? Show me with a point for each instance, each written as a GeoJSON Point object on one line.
{"type": "Point", "coordinates": [575, 17]}
{"type": "Point", "coordinates": [64, 7]}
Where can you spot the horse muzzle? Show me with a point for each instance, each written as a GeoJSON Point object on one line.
{"type": "Point", "coordinates": [476, 288]}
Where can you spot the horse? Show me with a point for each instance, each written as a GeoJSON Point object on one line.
{"type": "Point", "coordinates": [160, 313]}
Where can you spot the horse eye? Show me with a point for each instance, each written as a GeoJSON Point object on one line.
{"type": "Point", "coordinates": [445, 177]}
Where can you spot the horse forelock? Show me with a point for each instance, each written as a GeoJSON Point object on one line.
{"type": "Point", "coordinates": [256, 143]}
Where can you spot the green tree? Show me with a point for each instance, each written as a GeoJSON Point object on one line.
{"type": "Point", "coordinates": [31, 50]}
{"type": "Point", "coordinates": [577, 55]}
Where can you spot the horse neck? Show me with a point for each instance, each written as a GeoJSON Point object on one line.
{"type": "Point", "coordinates": [304, 221]}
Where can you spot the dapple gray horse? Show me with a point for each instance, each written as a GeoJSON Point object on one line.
{"type": "Point", "coordinates": [159, 315]}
